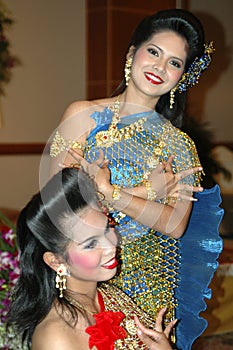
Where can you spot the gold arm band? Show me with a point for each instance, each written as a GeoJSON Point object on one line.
{"type": "Point", "coordinates": [59, 144]}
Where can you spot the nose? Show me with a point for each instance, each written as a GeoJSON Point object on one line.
{"type": "Point", "coordinates": [160, 65]}
{"type": "Point", "coordinates": [109, 245]}
{"type": "Point", "coordinates": [109, 250]}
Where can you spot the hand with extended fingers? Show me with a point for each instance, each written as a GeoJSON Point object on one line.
{"type": "Point", "coordinates": [162, 178]}
{"type": "Point", "coordinates": [166, 183]}
{"type": "Point", "coordinates": [157, 339]}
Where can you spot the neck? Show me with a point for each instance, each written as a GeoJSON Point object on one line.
{"type": "Point", "coordinates": [86, 288]}
{"type": "Point", "coordinates": [83, 302]}
{"type": "Point", "coordinates": [143, 101]}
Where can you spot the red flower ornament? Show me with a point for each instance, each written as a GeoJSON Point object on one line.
{"type": "Point", "coordinates": [106, 330]}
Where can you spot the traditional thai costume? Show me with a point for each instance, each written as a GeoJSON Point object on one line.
{"type": "Point", "coordinates": [115, 327]}
{"type": "Point", "coordinates": [156, 270]}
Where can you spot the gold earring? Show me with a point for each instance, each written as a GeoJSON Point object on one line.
{"type": "Point", "coordinates": [172, 97]}
{"type": "Point", "coordinates": [128, 70]}
{"type": "Point", "coordinates": [61, 279]}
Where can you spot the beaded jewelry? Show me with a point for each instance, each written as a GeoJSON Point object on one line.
{"type": "Point", "coordinates": [151, 193]}
{"type": "Point", "coordinates": [116, 194]}
{"type": "Point", "coordinates": [59, 144]}
{"type": "Point", "coordinates": [108, 137]}
{"type": "Point", "coordinates": [191, 77]}
{"type": "Point", "coordinates": [61, 279]}
{"type": "Point", "coordinates": [128, 70]}
{"type": "Point", "coordinates": [114, 300]}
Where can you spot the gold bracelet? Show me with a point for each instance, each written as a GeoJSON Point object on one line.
{"type": "Point", "coordinates": [151, 193]}
{"type": "Point", "coordinates": [116, 194]}
{"type": "Point", "coordinates": [169, 200]}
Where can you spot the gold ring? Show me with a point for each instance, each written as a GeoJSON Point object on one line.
{"type": "Point", "coordinates": [75, 165]}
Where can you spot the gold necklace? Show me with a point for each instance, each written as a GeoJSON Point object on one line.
{"type": "Point", "coordinates": [78, 305]}
{"type": "Point", "coordinates": [108, 137]}
{"type": "Point", "coordinates": [116, 116]}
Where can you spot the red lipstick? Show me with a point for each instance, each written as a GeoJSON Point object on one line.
{"type": "Point", "coordinates": [111, 264]}
{"type": "Point", "coordinates": [152, 78]}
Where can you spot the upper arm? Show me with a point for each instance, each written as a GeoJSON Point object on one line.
{"type": "Point", "coordinates": [76, 121]}
{"type": "Point", "coordinates": [172, 219]}
{"type": "Point", "coordinates": [177, 221]}
{"type": "Point", "coordinates": [187, 157]}
{"type": "Point", "coordinates": [74, 108]}
{"type": "Point", "coordinates": [75, 126]}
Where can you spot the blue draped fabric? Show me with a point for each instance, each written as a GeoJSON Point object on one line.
{"type": "Point", "coordinates": [200, 248]}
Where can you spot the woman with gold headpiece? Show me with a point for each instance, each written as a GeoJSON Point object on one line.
{"type": "Point", "coordinates": [170, 240]}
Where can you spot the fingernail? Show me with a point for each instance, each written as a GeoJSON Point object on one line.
{"type": "Point", "coordinates": [139, 332]}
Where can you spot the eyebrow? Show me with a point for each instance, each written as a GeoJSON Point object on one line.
{"type": "Point", "coordinates": [94, 237]}
{"type": "Point", "coordinates": [160, 49]}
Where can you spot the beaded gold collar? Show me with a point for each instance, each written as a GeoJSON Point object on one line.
{"type": "Point", "coordinates": [115, 300]}
{"type": "Point", "coordinates": [107, 137]}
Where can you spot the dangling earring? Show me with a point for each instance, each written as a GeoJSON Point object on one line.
{"type": "Point", "coordinates": [180, 86]}
{"type": "Point", "coordinates": [61, 279]}
{"type": "Point", "coordinates": [128, 70]}
{"type": "Point", "coordinates": [172, 97]}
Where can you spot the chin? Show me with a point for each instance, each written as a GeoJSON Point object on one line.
{"type": "Point", "coordinates": [108, 275]}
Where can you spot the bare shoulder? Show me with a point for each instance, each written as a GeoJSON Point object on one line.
{"type": "Point", "coordinates": [76, 107]}
{"type": "Point", "coordinates": [84, 105]}
{"type": "Point", "coordinates": [54, 333]}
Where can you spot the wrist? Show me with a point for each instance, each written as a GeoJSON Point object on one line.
{"type": "Point", "coordinates": [116, 193]}
{"type": "Point", "coordinates": [151, 193]}
{"type": "Point", "coordinates": [111, 193]}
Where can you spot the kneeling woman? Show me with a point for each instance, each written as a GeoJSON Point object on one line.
{"type": "Point", "coordinates": [67, 246]}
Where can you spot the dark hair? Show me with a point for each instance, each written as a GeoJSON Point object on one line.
{"type": "Point", "coordinates": [41, 227]}
{"type": "Point", "coordinates": [187, 26]}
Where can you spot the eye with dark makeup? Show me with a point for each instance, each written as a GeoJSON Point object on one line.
{"type": "Point", "coordinates": [153, 51]}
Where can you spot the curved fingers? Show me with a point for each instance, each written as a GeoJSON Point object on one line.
{"type": "Point", "coordinates": [168, 165]}
{"type": "Point", "coordinates": [100, 162]}
{"type": "Point", "coordinates": [78, 158]}
{"type": "Point", "coordinates": [159, 319]}
{"type": "Point", "coordinates": [169, 327]}
{"type": "Point", "coordinates": [156, 339]}
{"type": "Point", "coordinates": [153, 339]}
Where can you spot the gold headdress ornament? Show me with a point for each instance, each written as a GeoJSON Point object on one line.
{"type": "Point", "coordinates": [193, 74]}
{"type": "Point", "coordinates": [191, 77]}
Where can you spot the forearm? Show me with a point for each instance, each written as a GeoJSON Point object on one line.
{"type": "Point", "coordinates": [139, 191]}
{"type": "Point", "coordinates": [167, 219]}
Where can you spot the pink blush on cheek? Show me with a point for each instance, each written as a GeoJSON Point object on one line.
{"type": "Point", "coordinates": [87, 261]}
